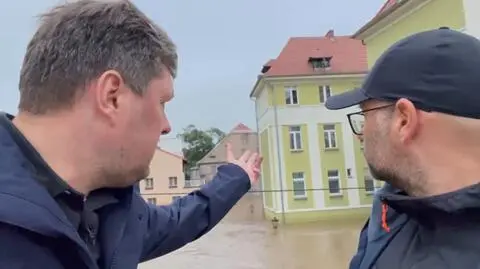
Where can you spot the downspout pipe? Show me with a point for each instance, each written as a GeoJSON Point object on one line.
{"type": "Point", "coordinates": [279, 154]}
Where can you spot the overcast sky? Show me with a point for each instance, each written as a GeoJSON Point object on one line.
{"type": "Point", "coordinates": [222, 45]}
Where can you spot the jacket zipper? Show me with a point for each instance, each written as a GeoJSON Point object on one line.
{"type": "Point", "coordinates": [92, 235]}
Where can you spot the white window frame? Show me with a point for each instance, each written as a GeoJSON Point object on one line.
{"type": "Point", "coordinates": [173, 180]}
{"type": "Point", "coordinates": [245, 138]}
{"type": "Point", "coordinates": [152, 200]}
{"type": "Point", "coordinates": [297, 138]}
{"type": "Point", "coordinates": [327, 133]}
{"type": "Point", "coordinates": [149, 183]}
{"type": "Point", "coordinates": [323, 93]}
{"type": "Point", "coordinates": [297, 178]}
{"type": "Point", "coordinates": [289, 93]}
{"type": "Point", "coordinates": [335, 178]}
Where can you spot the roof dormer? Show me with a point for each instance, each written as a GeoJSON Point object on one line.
{"type": "Point", "coordinates": [320, 63]}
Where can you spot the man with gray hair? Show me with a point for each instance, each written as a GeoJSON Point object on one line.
{"type": "Point", "coordinates": [93, 88]}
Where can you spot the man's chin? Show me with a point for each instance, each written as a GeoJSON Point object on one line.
{"type": "Point", "coordinates": [386, 176]}
{"type": "Point", "coordinates": [136, 176]}
{"type": "Point", "coordinates": [377, 173]}
{"type": "Point", "coordinates": [142, 174]}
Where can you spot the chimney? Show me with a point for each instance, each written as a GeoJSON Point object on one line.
{"type": "Point", "coordinates": [330, 34]}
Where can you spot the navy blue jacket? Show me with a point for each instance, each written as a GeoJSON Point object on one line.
{"type": "Point", "coordinates": [35, 232]}
{"type": "Point", "coordinates": [421, 232]}
{"type": "Point", "coordinates": [381, 227]}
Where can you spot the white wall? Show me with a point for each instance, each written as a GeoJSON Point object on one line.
{"type": "Point", "coordinates": [261, 104]}
{"type": "Point", "coordinates": [315, 164]}
{"type": "Point", "coordinates": [267, 119]}
{"type": "Point", "coordinates": [472, 17]}
{"type": "Point", "coordinates": [277, 173]}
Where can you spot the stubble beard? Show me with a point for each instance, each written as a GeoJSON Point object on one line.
{"type": "Point", "coordinates": [379, 158]}
{"type": "Point", "coordinates": [122, 172]}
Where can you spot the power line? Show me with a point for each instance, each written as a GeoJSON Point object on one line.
{"type": "Point", "coordinates": [260, 191]}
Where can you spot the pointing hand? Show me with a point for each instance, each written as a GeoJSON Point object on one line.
{"type": "Point", "coordinates": [250, 162]}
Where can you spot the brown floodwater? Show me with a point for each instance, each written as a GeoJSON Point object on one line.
{"type": "Point", "coordinates": [244, 240]}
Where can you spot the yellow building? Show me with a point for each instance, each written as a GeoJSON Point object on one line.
{"type": "Point", "coordinates": [313, 165]}
{"type": "Point", "coordinates": [400, 18]}
{"type": "Point", "coordinates": [166, 181]}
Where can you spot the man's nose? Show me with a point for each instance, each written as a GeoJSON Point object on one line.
{"type": "Point", "coordinates": [167, 128]}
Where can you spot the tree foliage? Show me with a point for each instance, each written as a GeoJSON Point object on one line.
{"type": "Point", "coordinates": [198, 142]}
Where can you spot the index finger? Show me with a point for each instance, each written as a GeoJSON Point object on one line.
{"type": "Point", "coordinates": [258, 161]}
{"type": "Point", "coordinates": [252, 159]}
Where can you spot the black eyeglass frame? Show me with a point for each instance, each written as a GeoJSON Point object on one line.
{"type": "Point", "coordinates": [349, 116]}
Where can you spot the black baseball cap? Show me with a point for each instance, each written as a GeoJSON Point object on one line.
{"type": "Point", "coordinates": [437, 70]}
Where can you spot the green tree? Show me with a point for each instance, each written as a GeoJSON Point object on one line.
{"type": "Point", "coordinates": [216, 134]}
{"type": "Point", "coordinates": [197, 143]}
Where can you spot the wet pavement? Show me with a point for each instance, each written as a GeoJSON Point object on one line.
{"type": "Point", "coordinates": [243, 240]}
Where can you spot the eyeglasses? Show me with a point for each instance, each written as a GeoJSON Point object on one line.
{"type": "Point", "coordinates": [357, 119]}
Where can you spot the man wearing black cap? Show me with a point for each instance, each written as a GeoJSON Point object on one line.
{"type": "Point", "coordinates": [419, 120]}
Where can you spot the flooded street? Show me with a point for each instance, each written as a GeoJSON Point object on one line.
{"type": "Point", "coordinates": [243, 240]}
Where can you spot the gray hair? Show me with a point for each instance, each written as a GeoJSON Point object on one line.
{"type": "Point", "coordinates": [76, 42]}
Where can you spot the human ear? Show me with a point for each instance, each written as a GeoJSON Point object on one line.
{"type": "Point", "coordinates": [405, 120]}
{"type": "Point", "coordinates": [109, 90]}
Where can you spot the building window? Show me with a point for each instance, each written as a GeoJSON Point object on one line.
{"type": "Point", "coordinates": [322, 63]}
{"type": "Point", "coordinates": [325, 63]}
{"type": "Point", "coordinates": [152, 201]}
{"type": "Point", "coordinates": [172, 182]}
{"type": "Point", "coordinates": [291, 97]}
{"type": "Point", "coordinates": [334, 182]}
{"type": "Point", "coordinates": [330, 136]}
{"type": "Point", "coordinates": [295, 137]}
{"type": "Point", "coordinates": [149, 183]}
{"type": "Point", "coordinates": [369, 182]}
{"type": "Point", "coordinates": [175, 197]}
{"type": "Point", "coordinates": [245, 139]}
{"type": "Point", "coordinates": [324, 93]}
{"type": "Point", "coordinates": [299, 190]}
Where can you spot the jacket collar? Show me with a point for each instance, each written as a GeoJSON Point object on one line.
{"type": "Point", "coordinates": [392, 208]}
{"type": "Point", "coordinates": [19, 189]}
{"type": "Point", "coordinates": [445, 209]}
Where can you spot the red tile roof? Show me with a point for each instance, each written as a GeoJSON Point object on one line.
{"type": "Point", "coordinates": [241, 128]}
{"type": "Point", "coordinates": [348, 56]}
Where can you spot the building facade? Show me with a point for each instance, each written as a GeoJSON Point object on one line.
{"type": "Point", "coordinates": [400, 18]}
{"type": "Point", "coordinates": [166, 181]}
{"type": "Point", "coordinates": [313, 164]}
{"type": "Point", "coordinates": [241, 137]}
